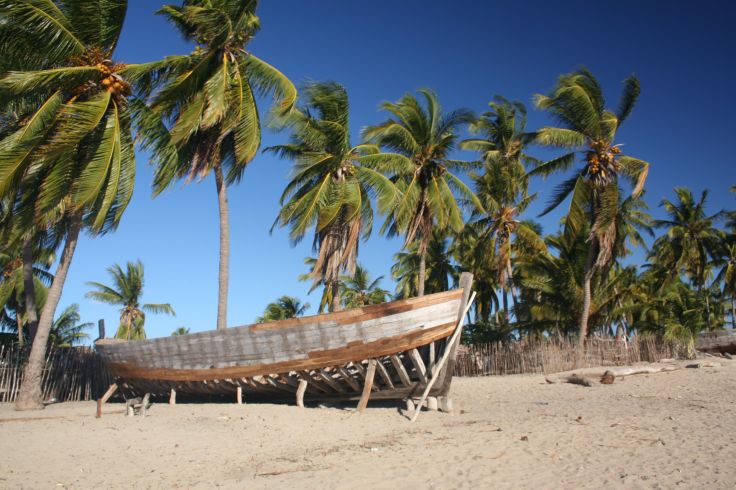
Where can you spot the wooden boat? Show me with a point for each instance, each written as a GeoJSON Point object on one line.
{"type": "Point", "coordinates": [723, 341]}
{"type": "Point", "coordinates": [329, 356]}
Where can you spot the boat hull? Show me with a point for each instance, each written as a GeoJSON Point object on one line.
{"type": "Point", "coordinates": [330, 352]}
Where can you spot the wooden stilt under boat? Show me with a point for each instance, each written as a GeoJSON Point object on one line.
{"type": "Point", "coordinates": [331, 353]}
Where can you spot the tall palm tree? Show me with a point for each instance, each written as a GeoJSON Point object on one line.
{"type": "Point", "coordinates": [359, 290]}
{"type": "Point", "coordinates": [332, 183]}
{"type": "Point", "coordinates": [282, 309]}
{"type": "Point", "coordinates": [71, 158]}
{"type": "Point", "coordinates": [503, 187]}
{"type": "Point", "coordinates": [430, 191]}
{"type": "Point", "coordinates": [126, 292]}
{"type": "Point", "coordinates": [66, 330]}
{"type": "Point", "coordinates": [588, 130]}
{"type": "Point", "coordinates": [204, 117]}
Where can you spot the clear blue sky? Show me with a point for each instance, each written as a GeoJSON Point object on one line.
{"type": "Point", "coordinates": [467, 51]}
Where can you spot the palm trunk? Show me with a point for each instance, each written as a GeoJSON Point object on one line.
{"type": "Point", "coordinates": [29, 290]}
{"type": "Point", "coordinates": [30, 396]}
{"type": "Point", "coordinates": [422, 270]}
{"type": "Point", "coordinates": [510, 284]}
{"type": "Point", "coordinates": [505, 302]}
{"type": "Point", "coordinates": [587, 279]}
{"type": "Point", "coordinates": [19, 324]}
{"type": "Point", "coordinates": [224, 272]}
{"type": "Point", "coordinates": [733, 312]}
{"type": "Point", "coordinates": [336, 295]}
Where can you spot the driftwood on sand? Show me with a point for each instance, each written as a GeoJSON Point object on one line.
{"type": "Point", "coordinates": [607, 375]}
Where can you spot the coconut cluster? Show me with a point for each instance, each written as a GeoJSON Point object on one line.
{"type": "Point", "coordinates": [113, 82]}
{"type": "Point", "coordinates": [602, 158]}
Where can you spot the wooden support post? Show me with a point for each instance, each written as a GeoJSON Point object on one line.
{"type": "Point", "coordinates": [432, 403]}
{"type": "Point", "coordinates": [445, 356]}
{"type": "Point", "coordinates": [348, 378]}
{"type": "Point", "coordinates": [368, 385]}
{"type": "Point", "coordinates": [401, 371]}
{"type": "Point", "coordinates": [144, 404]}
{"type": "Point", "coordinates": [172, 397]}
{"type": "Point", "coordinates": [300, 393]}
{"type": "Point", "coordinates": [101, 401]}
{"type": "Point", "coordinates": [416, 360]}
{"type": "Point", "coordinates": [239, 395]}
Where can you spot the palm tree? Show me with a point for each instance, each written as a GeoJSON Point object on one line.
{"type": "Point", "coordinates": [282, 309]}
{"type": "Point", "coordinates": [440, 271]}
{"type": "Point", "coordinates": [727, 275]}
{"type": "Point", "coordinates": [556, 283]}
{"type": "Point", "coordinates": [71, 157]}
{"type": "Point", "coordinates": [332, 184]}
{"type": "Point", "coordinates": [588, 130]}
{"type": "Point", "coordinates": [66, 330]}
{"type": "Point", "coordinates": [207, 102]}
{"type": "Point", "coordinates": [503, 187]}
{"type": "Point", "coordinates": [359, 290]}
{"type": "Point", "coordinates": [180, 331]}
{"type": "Point", "coordinates": [126, 292]}
{"type": "Point", "coordinates": [426, 137]}
{"type": "Point", "coordinates": [691, 243]}
{"type": "Point", "coordinates": [13, 285]}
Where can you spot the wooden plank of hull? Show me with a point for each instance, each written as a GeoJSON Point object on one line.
{"type": "Point", "coordinates": [384, 375]}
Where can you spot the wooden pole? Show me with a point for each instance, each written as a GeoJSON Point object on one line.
{"type": "Point", "coordinates": [239, 395]}
{"type": "Point", "coordinates": [172, 397]}
{"type": "Point", "coordinates": [443, 359]}
{"type": "Point", "coordinates": [300, 393]}
{"type": "Point", "coordinates": [367, 386]}
{"type": "Point", "coordinates": [110, 391]}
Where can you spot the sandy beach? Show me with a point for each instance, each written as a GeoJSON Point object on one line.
{"type": "Point", "coordinates": [665, 430]}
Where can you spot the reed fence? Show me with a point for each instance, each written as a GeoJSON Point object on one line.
{"type": "Point", "coordinates": [554, 356]}
{"type": "Point", "coordinates": [70, 374]}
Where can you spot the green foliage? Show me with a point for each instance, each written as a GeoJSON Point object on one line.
{"type": "Point", "coordinates": [180, 331]}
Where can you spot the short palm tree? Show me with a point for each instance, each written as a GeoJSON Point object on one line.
{"type": "Point", "coordinates": [432, 195]}
{"type": "Point", "coordinates": [727, 275]}
{"type": "Point", "coordinates": [282, 309]}
{"type": "Point", "coordinates": [440, 271]}
{"type": "Point", "coordinates": [207, 102]}
{"type": "Point", "coordinates": [691, 240]}
{"type": "Point", "coordinates": [332, 183]}
{"type": "Point", "coordinates": [126, 292]}
{"type": "Point", "coordinates": [588, 130]}
{"type": "Point", "coordinates": [180, 331]}
{"type": "Point", "coordinates": [13, 285]}
{"type": "Point", "coordinates": [66, 330]}
{"type": "Point", "coordinates": [691, 244]}
{"type": "Point", "coordinates": [72, 157]}
{"type": "Point", "coordinates": [359, 290]}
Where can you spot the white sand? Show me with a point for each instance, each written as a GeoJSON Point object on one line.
{"type": "Point", "coordinates": [667, 430]}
